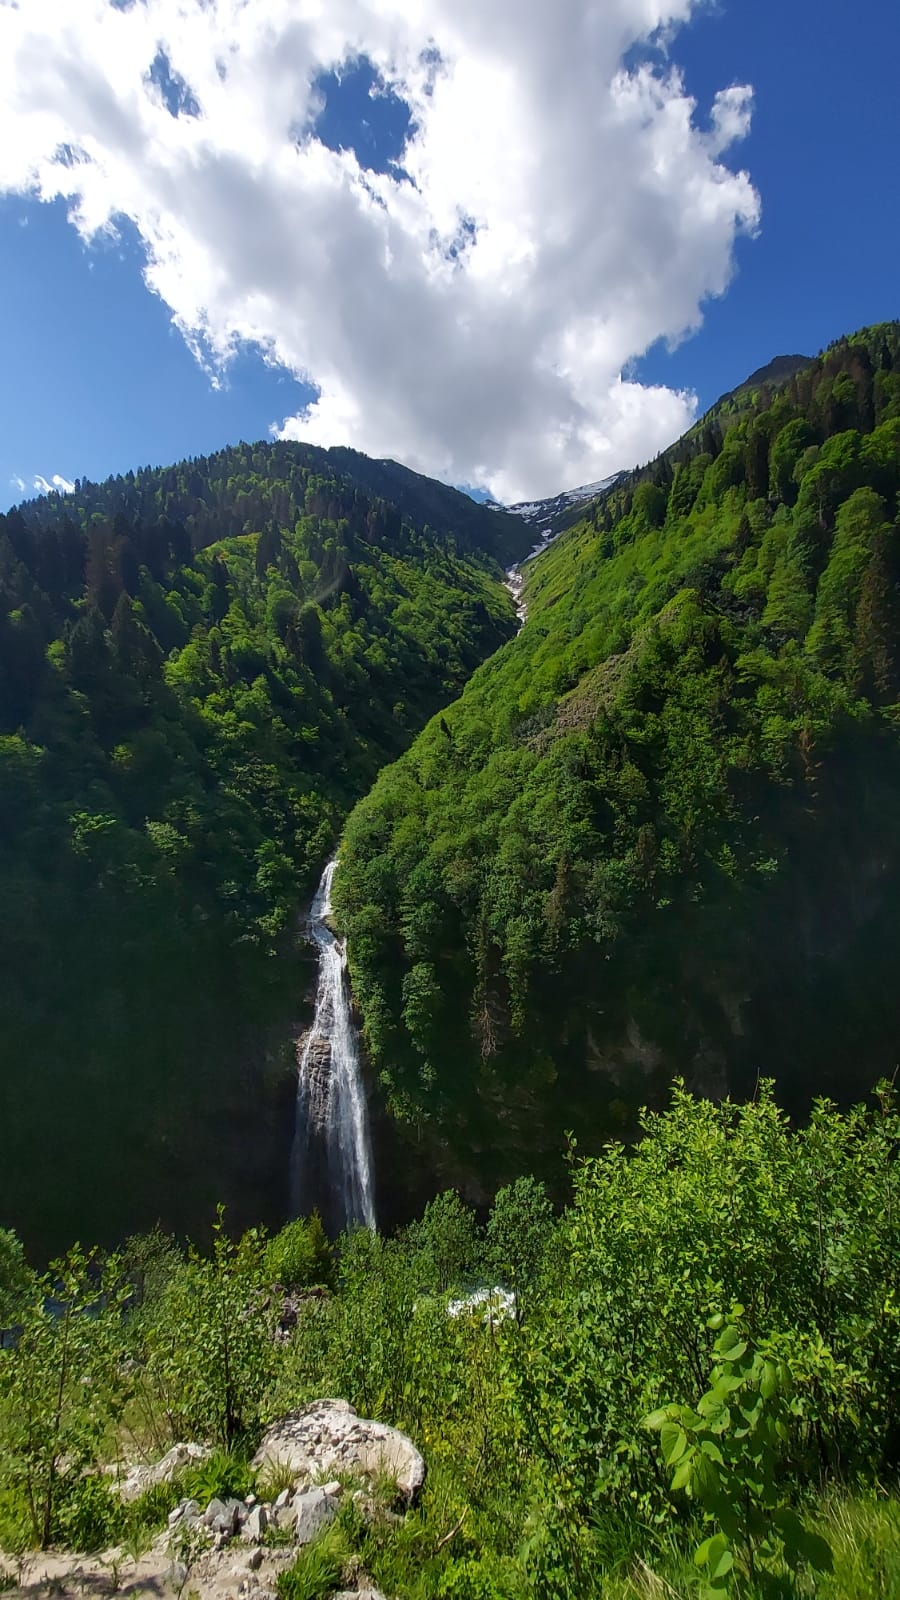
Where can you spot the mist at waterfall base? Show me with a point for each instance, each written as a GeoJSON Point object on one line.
{"type": "Point", "coordinates": [331, 1157]}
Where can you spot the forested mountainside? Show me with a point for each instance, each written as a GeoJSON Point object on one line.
{"type": "Point", "coordinates": [660, 830]}
{"type": "Point", "coordinates": [201, 669]}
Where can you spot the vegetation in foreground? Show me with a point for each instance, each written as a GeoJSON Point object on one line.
{"type": "Point", "coordinates": [697, 1390]}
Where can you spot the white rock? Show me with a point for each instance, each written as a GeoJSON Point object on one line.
{"type": "Point", "coordinates": [329, 1436]}
{"type": "Point", "coordinates": [139, 1479]}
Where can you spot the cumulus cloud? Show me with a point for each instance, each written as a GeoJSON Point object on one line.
{"type": "Point", "coordinates": [17, 483]}
{"type": "Point", "coordinates": [558, 207]}
{"type": "Point", "coordinates": [47, 485]}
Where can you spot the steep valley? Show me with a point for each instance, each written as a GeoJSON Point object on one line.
{"type": "Point", "coordinates": [657, 834]}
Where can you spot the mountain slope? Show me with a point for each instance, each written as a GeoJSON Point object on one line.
{"type": "Point", "coordinates": [659, 831]}
{"type": "Point", "coordinates": [201, 669]}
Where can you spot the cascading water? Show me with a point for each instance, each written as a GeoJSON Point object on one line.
{"type": "Point", "coordinates": [331, 1159]}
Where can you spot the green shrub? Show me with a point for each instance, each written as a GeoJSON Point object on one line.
{"type": "Point", "coordinates": [90, 1516]}
{"type": "Point", "coordinates": [476, 1578]}
{"type": "Point", "coordinates": [729, 1456]}
{"type": "Point", "coordinates": [299, 1255]}
{"type": "Point", "coordinates": [224, 1475]}
{"type": "Point", "coordinates": [317, 1568]}
{"type": "Point", "coordinates": [150, 1510]}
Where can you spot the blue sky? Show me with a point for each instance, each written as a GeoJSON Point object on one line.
{"type": "Point", "coordinates": [96, 378]}
{"type": "Point", "coordinates": [823, 153]}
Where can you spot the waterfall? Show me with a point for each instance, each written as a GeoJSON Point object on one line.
{"type": "Point", "coordinates": [331, 1159]}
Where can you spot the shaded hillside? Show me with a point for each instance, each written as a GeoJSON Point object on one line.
{"type": "Point", "coordinates": [240, 489]}
{"type": "Point", "coordinates": [659, 831]}
{"type": "Point", "coordinates": [201, 669]}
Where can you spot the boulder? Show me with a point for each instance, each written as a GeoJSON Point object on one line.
{"type": "Point", "coordinates": [330, 1437]}
{"type": "Point", "coordinates": [139, 1479]}
{"type": "Point", "coordinates": [312, 1512]}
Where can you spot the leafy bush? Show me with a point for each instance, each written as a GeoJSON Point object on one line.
{"type": "Point", "coordinates": [445, 1243]}
{"type": "Point", "coordinates": [300, 1255]}
{"type": "Point", "coordinates": [151, 1509]}
{"type": "Point", "coordinates": [15, 1277]}
{"type": "Point", "coordinates": [61, 1387]}
{"type": "Point", "coordinates": [90, 1515]}
{"type": "Point", "coordinates": [729, 1455]}
{"type": "Point", "coordinates": [208, 1350]}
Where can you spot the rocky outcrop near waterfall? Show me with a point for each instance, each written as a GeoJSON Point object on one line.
{"type": "Point", "coordinates": [329, 1436]}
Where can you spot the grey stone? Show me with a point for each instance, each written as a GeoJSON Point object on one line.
{"type": "Point", "coordinates": [312, 1512]}
{"type": "Point", "coordinates": [330, 1437]}
{"type": "Point", "coordinates": [256, 1524]}
{"type": "Point", "coordinates": [285, 1498]}
{"type": "Point", "coordinates": [224, 1516]}
{"type": "Point", "coordinates": [255, 1560]}
{"type": "Point", "coordinates": [186, 1511]}
{"type": "Point", "coordinates": [239, 1510]}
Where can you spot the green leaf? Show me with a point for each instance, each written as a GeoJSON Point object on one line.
{"type": "Point", "coordinates": [656, 1419]}
{"type": "Point", "coordinates": [768, 1383]}
{"type": "Point", "coordinates": [715, 1554]}
{"type": "Point", "coordinates": [730, 1346]}
{"type": "Point", "coordinates": [817, 1551]}
{"type": "Point", "coordinates": [673, 1442]}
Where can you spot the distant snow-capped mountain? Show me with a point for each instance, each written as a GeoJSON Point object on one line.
{"type": "Point", "coordinates": [548, 517]}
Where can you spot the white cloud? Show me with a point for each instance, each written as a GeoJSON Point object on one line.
{"type": "Point", "coordinates": [564, 211]}
{"type": "Point", "coordinates": [46, 486]}
{"type": "Point", "coordinates": [17, 483]}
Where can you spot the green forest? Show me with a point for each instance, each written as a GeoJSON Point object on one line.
{"type": "Point", "coordinates": [658, 832]}
{"type": "Point", "coordinates": [201, 669]}
{"type": "Point", "coordinates": [693, 1393]}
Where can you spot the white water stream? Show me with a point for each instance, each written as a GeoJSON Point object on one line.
{"type": "Point", "coordinates": [332, 1150]}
